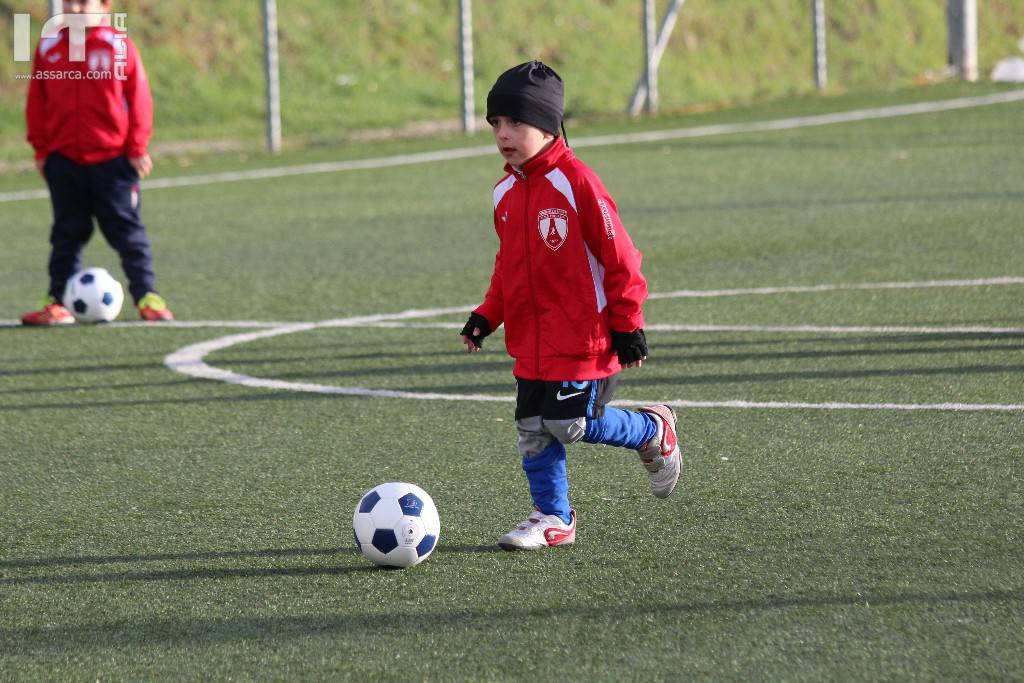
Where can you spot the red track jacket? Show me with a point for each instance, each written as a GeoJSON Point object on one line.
{"type": "Point", "coordinates": [90, 111]}
{"type": "Point", "coordinates": [566, 272]}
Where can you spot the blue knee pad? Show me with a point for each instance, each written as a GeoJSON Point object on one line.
{"type": "Point", "coordinates": [618, 427]}
{"type": "Point", "coordinates": [549, 485]}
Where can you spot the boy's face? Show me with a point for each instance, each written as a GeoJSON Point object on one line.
{"type": "Point", "coordinates": [88, 7]}
{"type": "Point", "coordinates": [518, 142]}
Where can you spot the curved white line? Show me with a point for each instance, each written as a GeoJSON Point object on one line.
{"type": "Point", "coordinates": [188, 360]}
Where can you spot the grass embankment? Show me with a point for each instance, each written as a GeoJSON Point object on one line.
{"type": "Point", "coordinates": [366, 66]}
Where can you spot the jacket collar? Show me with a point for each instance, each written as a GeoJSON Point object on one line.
{"type": "Point", "coordinates": [543, 162]}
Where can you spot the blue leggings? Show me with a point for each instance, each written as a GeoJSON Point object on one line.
{"type": "Point", "coordinates": [546, 472]}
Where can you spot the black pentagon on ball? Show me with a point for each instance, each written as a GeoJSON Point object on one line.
{"type": "Point", "coordinates": [87, 278]}
{"type": "Point", "coordinates": [368, 501]}
{"type": "Point", "coordinates": [384, 540]}
{"type": "Point", "coordinates": [411, 505]}
{"type": "Point", "coordinates": [80, 306]}
{"type": "Point", "coordinates": [108, 298]}
{"type": "Point", "coordinates": [426, 545]}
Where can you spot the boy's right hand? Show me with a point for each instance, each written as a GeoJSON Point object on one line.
{"type": "Point", "coordinates": [41, 166]}
{"type": "Point", "coordinates": [474, 332]}
{"type": "Point", "coordinates": [142, 165]}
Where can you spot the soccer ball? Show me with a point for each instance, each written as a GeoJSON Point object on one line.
{"type": "Point", "coordinates": [93, 295]}
{"type": "Point", "coordinates": [396, 525]}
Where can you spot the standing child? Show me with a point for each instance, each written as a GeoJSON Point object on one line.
{"type": "Point", "coordinates": [568, 288]}
{"type": "Point", "coordinates": [89, 122]}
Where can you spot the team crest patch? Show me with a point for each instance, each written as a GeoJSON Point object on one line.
{"type": "Point", "coordinates": [553, 225]}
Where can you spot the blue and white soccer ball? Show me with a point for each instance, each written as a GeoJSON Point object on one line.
{"type": "Point", "coordinates": [93, 296]}
{"type": "Point", "coordinates": [396, 525]}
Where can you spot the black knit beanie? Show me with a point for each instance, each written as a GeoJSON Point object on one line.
{"type": "Point", "coordinates": [531, 93]}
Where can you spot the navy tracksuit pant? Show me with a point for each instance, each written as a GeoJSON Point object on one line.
{"type": "Point", "coordinates": [110, 192]}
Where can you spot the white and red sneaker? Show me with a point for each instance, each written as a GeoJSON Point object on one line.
{"type": "Point", "coordinates": [660, 456]}
{"type": "Point", "coordinates": [540, 531]}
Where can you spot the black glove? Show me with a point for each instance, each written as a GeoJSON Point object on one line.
{"type": "Point", "coordinates": [631, 346]}
{"type": "Point", "coordinates": [476, 321]}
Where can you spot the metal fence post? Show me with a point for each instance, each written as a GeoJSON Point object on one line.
{"type": "Point", "coordinates": [668, 22]}
{"type": "Point", "coordinates": [466, 61]}
{"type": "Point", "coordinates": [820, 55]}
{"type": "Point", "coordinates": [650, 61]}
{"type": "Point", "coordinates": [56, 7]}
{"type": "Point", "coordinates": [962, 19]}
{"type": "Point", "coordinates": [273, 76]}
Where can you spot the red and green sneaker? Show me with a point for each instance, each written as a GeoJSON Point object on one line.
{"type": "Point", "coordinates": [51, 313]}
{"type": "Point", "coordinates": [153, 308]}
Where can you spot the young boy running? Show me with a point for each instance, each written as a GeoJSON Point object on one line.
{"type": "Point", "coordinates": [568, 288]}
{"type": "Point", "coordinates": [89, 121]}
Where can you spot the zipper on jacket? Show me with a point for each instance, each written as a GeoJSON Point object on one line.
{"type": "Point", "coordinates": [78, 96]}
{"type": "Point", "coordinates": [529, 275]}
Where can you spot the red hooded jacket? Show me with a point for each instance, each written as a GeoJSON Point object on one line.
{"type": "Point", "coordinates": [566, 272]}
{"type": "Point", "coordinates": [90, 111]}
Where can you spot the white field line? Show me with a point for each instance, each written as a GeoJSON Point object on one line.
{"type": "Point", "coordinates": [841, 329]}
{"type": "Point", "coordinates": [787, 329]}
{"type": "Point", "coordinates": [360, 321]}
{"type": "Point", "coordinates": [393, 320]}
{"type": "Point", "coordinates": [285, 171]}
{"type": "Point", "coordinates": [831, 405]}
{"type": "Point", "coordinates": [246, 325]}
{"type": "Point", "coordinates": [799, 289]}
{"type": "Point", "coordinates": [656, 327]}
{"type": "Point", "coordinates": [805, 121]}
{"type": "Point", "coordinates": [594, 141]}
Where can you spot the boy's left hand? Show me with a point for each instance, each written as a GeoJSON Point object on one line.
{"type": "Point", "coordinates": [631, 347]}
{"type": "Point", "coordinates": [143, 165]}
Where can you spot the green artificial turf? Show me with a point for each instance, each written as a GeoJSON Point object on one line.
{"type": "Point", "coordinates": [158, 525]}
